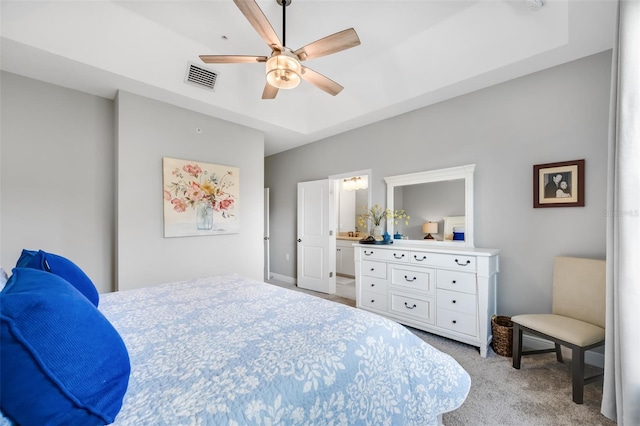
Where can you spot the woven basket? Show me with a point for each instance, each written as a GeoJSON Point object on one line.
{"type": "Point", "coordinates": [502, 330]}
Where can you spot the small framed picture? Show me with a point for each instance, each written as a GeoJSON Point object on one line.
{"type": "Point", "coordinates": [558, 184]}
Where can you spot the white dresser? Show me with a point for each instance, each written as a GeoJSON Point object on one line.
{"type": "Point", "coordinates": [446, 291]}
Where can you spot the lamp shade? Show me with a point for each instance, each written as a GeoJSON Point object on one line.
{"type": "Point", "coordinates": [283, 70]}
{"type": "Point", "coordinates": [430, 228]}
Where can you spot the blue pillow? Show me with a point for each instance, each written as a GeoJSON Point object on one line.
{"type": "Point", "coordinates": [62, 362]}
{"type": "Point", "coordinates": [25, 258]}
{"type": "Point", "coordinates": [62, 267]}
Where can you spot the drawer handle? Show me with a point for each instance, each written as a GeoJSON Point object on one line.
{"type": "Point", "coordinates": [453, 301]}
{"type": "Point", "coordinates": [373, 269]}
{"type": "Point", "coordinates": [407, 278]}
{"type": "Point", "coordinates": [398, 257]}
{"type": "Point", "coordinates": [368, 254]}
{"type": "Point", "coordinates": [373, 285]}
{"type": "Point", "coordinates": [409, 307]}
{"type": "Point", "coordinates": [419, 260]}
{"type": "Point", "coordinates": [452, 282]}
{"type": "Point", "coordinates": [454, 321]}
{"type": "Point", "coordinates": [463, 264]}
{"type": "Point", "coordinates": [373, 300]}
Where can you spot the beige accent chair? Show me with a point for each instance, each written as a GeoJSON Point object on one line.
{"type": "Point", "coordinates": [577, 321]}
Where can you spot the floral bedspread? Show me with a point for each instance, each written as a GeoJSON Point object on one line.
{"type": "Point", "coordinates": [227, 350]}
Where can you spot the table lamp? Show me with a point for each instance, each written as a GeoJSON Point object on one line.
{"type": "Point", "coordinates": [429, 228]}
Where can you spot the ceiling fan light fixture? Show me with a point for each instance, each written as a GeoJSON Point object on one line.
{"type": "Point", "coordinates": [283, 70]}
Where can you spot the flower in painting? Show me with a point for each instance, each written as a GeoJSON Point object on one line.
{"type": "Point", "coordinates": [193, 185]}
{"type": "Point", "coordinates": [225, 204]}
{"type": "Point", "coordinates": [208, 188]}
{"type": "Point", "coordinates": [179, 204]}
{"type": "Point", "coordinates": [194, 192]}
{"type": "Point", "coordinates": [192, 169]}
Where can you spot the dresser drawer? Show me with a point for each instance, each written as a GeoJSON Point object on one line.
{"type": "Point", "coordinates": [457, 281]}
{"type": "Point", "coordinates": [374, 269]}
{"type": "Point", "coordinates": [420, 258]}
{"type": "Point", "coordinates": [418, 308]}
{"type": "Point", "coordinates": [449, 261]}
{"type": "Point", "coordinates": [374, 300]}
{"type": "Point", "coordinates": [416, 279]}
{"type": "Point", "coordinates": [454, 261]}
{"type": "Point", "coordinates": [456, 301]}
{"type": "Point", "coordinates": [385, 255]}
{"type": "Point", "coordinates": [457, 321]}
{"type": "Point", "coordinates": [375, 285]}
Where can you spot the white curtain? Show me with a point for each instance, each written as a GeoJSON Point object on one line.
{"type": "Point", "coordinates": [621, 391]}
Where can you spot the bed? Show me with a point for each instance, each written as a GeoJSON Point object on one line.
{"type": "Point", "coordinates": [227, 350]}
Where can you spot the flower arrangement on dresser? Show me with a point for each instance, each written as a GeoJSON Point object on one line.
{"type": "Point", "coordinates": [377, 214]}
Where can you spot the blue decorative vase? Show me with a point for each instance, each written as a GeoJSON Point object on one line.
{"type": "Point", "coordinates": [386, 237]}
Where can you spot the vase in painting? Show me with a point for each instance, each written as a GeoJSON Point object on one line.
{"type": "Point", "coordinates": [204, 216]}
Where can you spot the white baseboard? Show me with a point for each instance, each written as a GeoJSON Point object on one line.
{"type": "Point", "coordinates": [284, 278]}
{"type": "Point", "coordinates": [536, 343]}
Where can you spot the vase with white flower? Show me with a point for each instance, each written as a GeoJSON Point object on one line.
{"type": "Point", "coordinates": [377, 214]}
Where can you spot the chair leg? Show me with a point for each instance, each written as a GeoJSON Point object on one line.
{"type": "Point", "coordinates": [559, 353]}
{"type": "Point", "coordinates": [517, 346]}
{"type": "Point", "coordinates": [577, 374]}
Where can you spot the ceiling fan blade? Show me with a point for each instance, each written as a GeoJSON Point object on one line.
{"type": "Point", "coordinates": [232, 59]}
{"type": "Point", "coordinates": [337, 42]}
{"type": "Point", "coordinates": [320, 81]}
{"type": "Point", "coordinates": [269, 91]}
{"type": "Point", "coordinates": [259, 22]}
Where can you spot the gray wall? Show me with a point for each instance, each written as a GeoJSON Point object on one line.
{"type": "Point", "coordinates": [557, 114]}
{"type": "Point", "coordinates": [57, 175]}
{"type": "Point", "coordinates": [66, 153]}
{"type": "Point", "coordinates": [149, 130]}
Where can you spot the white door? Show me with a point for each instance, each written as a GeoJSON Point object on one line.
{"type": "Point", "coordinates": [267, 269]}
{"type": "Point", "coordinates": [316, 241]}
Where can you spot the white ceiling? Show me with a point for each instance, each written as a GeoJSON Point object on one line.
{"type": "Point", "coordinates": [413, 53]}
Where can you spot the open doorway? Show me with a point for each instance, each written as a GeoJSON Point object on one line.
{"type": "Point", "coordinates": [352, 197]}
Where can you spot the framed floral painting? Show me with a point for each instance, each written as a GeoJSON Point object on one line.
{"type": "Point", "coordinates": [558, 184]}
{"type": "Point", "coordinates": [200, 198]}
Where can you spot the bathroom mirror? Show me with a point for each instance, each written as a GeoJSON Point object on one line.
{"type": "Point", "coordinates": [351, 203]}
{"type": "Point", "coordinates": [433, 196]}
{"type": "Point", "coordinates": [353, 195]}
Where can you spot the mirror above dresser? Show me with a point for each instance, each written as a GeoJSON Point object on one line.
{"type": "Point", "coordinates": [439, 202]}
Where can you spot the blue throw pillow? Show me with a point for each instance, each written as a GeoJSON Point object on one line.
{"type": "Point", "coordinates": [25, 258]}
{"type": "Point", "coordinates": [62, 362]}
{"type": "Point", "coordinates": [62, 267]}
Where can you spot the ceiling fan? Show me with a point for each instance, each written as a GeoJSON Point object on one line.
{"type": "Point", "coordinates": [284, 70]}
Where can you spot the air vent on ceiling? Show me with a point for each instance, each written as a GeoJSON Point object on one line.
{"type": "Point", "coordinates": [200, 77]}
